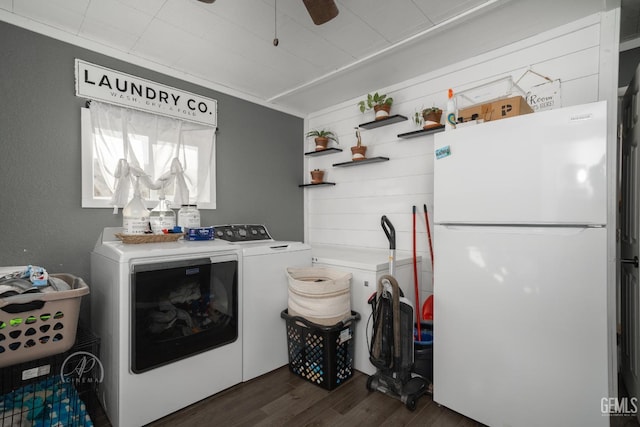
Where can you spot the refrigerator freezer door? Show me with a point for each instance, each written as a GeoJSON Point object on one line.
{"type": "Point", "coordinates": [542, 168]}
{"type": "Point", "coordinates": [520, 324]}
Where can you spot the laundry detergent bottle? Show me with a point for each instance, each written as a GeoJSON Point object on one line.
{"type": "Point", "coordinates": [135, 215]}
{"type": "Point", "coordinates": [162, 217]}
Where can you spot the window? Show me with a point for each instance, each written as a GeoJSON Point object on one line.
{"type": "Point", "coordinates": [120, 145]}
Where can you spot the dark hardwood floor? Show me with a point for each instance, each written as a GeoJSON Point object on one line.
{"type": "Point", "coordinates": [282, 399]}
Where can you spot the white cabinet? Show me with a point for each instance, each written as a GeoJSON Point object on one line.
{"type": "Point", "coordinates": [367, 266]}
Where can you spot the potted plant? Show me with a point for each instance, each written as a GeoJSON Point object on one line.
{"type": "Point", "coordinates": [428, 117]}
{"type": "Point", "coordinates": [358, 151]}
{"type": "Point", "coordinates": [322, 137]}
{"type": "Point", "coordinates": [317, 176]}
{"type": "Point", "coordinates": [380, 103]}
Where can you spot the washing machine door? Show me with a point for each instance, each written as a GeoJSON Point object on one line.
{"type": "Point", "coordinates": [182, 308]}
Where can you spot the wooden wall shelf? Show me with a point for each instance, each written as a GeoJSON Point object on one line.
{"type": "Point", "coordinates": [323, 152]}
{"type": "Point", "coordinates": [383, 122]}
{"type": "Point", "coordinates": [317, 185]}
{"type": "Point", "coordinates": [421, 132]}
{"type": "Point", "coordinates": [362, 162]}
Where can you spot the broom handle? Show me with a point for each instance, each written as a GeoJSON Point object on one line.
{"type": "Point", "coordinates": [426, 219]}
{"type": "Point", "coordinates": [416, 286]}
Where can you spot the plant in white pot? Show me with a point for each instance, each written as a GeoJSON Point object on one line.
{"type": "Point", "coordinates": [428, 117]}
{"type": "Point", "coordinates": [380, 103]}
{"type": "Point", "coordinates": [358, 151]}
{"type": "Point", "coordinates": [322, 137]}
{"type": "Point", "coordinates": [317, 176]}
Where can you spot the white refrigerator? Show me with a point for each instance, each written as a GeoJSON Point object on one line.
{"type": "Point", "coordinates": [520, 276]}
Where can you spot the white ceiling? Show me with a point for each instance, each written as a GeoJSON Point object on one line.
{"type": "Point", "coordinates": [228, 45]}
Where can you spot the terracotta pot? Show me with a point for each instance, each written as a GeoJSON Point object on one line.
{"type": "Point", "coordinates": [382, 111]}
{"type": "Point", "coordinates": [317, 176]}
{"type": "Point", "coordinates": [431, 119]}
{"type": "Point", "coordinates": [321, 143]}
{"type": "Point", "coordinates": [358, 152]}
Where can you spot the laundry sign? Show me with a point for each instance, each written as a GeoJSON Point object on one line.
{"type": "Point", "coordinates": [111, 86]}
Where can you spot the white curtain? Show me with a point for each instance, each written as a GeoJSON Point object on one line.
{"type": "Point", "coordinates": [165, 155]}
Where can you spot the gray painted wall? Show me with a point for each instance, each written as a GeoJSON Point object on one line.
{"type": "Point", "coordinates": [259, 158]}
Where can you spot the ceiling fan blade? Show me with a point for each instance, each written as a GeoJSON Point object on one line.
{"type": "Point", "coordinates": [321, 11]}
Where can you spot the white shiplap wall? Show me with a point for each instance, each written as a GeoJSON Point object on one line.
{"type": "Point", "coordinates": [348, 214]}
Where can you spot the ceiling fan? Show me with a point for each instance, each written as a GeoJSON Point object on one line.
{"type": "Point", "coordinates": [321, 11]}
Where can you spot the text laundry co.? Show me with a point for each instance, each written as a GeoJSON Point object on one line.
{"type": "Point", "coordinates": [103, 84]}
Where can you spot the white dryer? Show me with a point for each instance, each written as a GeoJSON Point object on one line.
{"type": "Point", "coordinates": [169, 316]}
{"type": "Point", "coordinates": [265, 293]}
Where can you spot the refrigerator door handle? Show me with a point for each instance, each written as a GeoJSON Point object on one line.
{"type": "Point", "coordinates": [633, 261]}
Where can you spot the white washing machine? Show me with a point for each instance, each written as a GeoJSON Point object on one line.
{"type": "Point", "coordinates": [265, 294]}
{"type": "Point", "coordinates": [169, 316]}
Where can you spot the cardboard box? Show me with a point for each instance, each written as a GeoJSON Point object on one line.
{"type": "Point", "coordinates": [496, 110]}
{"type": "Point", "coordinates": [475, 112]}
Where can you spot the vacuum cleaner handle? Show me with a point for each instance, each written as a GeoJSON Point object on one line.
{"type": "Point", "coordinates": [389, 231]}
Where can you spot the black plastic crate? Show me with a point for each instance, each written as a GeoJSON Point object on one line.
{"type": "Point", "coordinates": [321, 354]}
{"type": "Point", "coordinates": [59, 388]}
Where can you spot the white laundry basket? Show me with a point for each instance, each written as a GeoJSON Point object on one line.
{"type": "Point", "coordinates": [320, 295]}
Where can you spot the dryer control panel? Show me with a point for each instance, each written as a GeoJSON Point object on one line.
{"type": "Point", "coordinates": [242, 232]}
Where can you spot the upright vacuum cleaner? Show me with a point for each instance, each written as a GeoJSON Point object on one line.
{"type": "Point", "coordinates": [391, 347]}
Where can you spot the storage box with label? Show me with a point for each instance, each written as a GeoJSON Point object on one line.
{"type": "Point", "coordinates": [496, 110]}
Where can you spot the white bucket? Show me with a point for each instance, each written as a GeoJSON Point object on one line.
{"type": "Point", "coordinates": [320, 295]}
